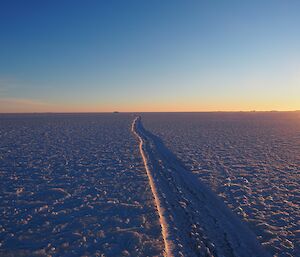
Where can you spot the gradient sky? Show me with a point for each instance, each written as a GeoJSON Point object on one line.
{"type": "Point", "coordinates": [149, 55]}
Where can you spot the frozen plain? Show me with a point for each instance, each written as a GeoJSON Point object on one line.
{"type": "Point", "coordinates": [76, 184]}
{"type": "Point", "coordinates": [251, 160]}
{"type": "Point", "coordinates": [195, 222]}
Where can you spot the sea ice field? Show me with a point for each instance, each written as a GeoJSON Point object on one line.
{"type": "Point", "coordinates": [250, 160]}
{"type": "Point", "coordinates": [74, 185]}
{"type": "Point", "coordinates": [150, 184]}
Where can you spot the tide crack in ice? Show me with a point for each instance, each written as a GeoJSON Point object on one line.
{"type": "Point", "coordinates": [194, 221]}
{"type": "Point", "coordinates": [161, 211]}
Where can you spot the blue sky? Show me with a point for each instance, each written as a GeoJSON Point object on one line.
{"type": "Point", "coordinates": [149, 55]}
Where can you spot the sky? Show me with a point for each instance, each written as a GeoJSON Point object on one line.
{"type": "Point", "coordinates": [150, 55]}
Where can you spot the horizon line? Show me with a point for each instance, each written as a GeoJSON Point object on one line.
{"type": "Point", "coordinates": [118, 112]}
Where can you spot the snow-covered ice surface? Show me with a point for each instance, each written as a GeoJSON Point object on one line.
{"type": "Point", "coordinates": [83, 185]}
{"type": "Point", "coordinates": [251, 161]}
{"type": "Point", "coordinates": [74, 185]}
{"type": "Point", "coordinates": [194, 221]}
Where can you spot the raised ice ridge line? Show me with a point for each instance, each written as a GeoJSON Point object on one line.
{"type": "Point", "coordinates": [194, 221]}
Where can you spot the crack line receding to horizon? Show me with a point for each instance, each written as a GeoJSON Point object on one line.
{"type": "Point", "coordinates": [194, 221]}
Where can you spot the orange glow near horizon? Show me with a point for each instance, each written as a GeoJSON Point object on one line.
{"type": "Point", "coordinates": [30, 106]}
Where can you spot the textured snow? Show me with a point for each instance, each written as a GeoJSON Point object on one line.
{"type": "Point", "coordinates": [74, 185]}
{"type": "Point", "coordinates": [194, 221]}
{"type": "Point", "coordinates": [251, 160]}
